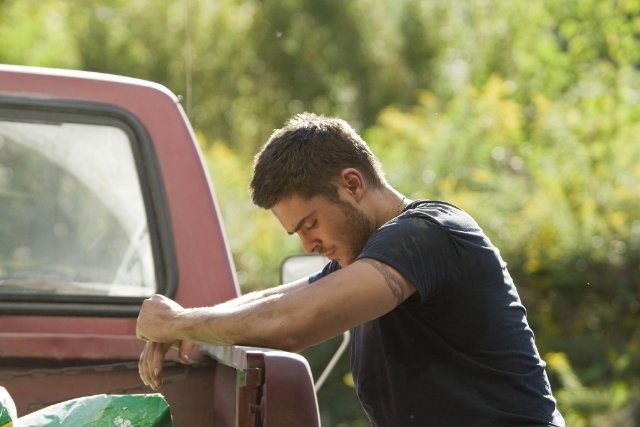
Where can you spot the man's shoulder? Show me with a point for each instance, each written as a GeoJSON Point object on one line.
{"type": "Point", "coordinates": [440, 213]}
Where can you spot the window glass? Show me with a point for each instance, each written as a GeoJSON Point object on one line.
{"type": "Point", "coordinates": [72, 216]}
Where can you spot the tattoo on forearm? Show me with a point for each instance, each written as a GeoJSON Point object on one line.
{"type": "Point", "coordinates": [391, 278]}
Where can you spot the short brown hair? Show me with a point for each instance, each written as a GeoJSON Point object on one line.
{"type": "Point", "coordinates": [305, 158]}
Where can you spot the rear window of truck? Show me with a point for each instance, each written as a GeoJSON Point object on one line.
{"type": "Point", "coordinates": [74, 222]}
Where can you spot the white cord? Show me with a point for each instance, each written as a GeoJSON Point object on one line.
{"type": "Point", "coordinates": [346, 337]}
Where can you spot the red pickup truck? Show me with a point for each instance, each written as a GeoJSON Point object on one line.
{"type": "Point", "coordinates": [104, 202]}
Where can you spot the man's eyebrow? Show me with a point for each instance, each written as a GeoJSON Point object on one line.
{"type": "Point", "coordinates": [299, 224]}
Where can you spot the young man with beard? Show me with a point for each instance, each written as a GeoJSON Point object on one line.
{"type": "Point", "coordinates": [440, 334]}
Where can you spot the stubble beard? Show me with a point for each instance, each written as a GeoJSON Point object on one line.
{"type": "Point", "coordinates": [356, 229]}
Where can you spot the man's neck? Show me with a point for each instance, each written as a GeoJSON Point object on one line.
{"type": "Point", "coordinates": [385, 204]}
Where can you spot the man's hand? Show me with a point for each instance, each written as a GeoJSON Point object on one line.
{"type": "Point", "coordinates": [152, 360]}
{"type": "Point", "coordinates": [155, 317]}
{"type": "Point", "coordinates": [153, 324]}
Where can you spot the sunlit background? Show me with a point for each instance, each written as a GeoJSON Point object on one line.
{"type": "Point", "coordinates": [525, 114]}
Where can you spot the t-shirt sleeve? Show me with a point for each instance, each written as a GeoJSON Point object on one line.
{"type": "Point", "coordinates": [328, 269]}
{"type": "Point", "coordinates": [418, 247]}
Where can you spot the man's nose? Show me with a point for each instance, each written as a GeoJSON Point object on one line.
{"type": "Point", "coordinates": [309, 244]}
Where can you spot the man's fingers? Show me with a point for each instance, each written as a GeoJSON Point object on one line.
{"type": "Point", "coordinates": [157, 362]}
{"type": "Point", "coordinates": [142, 364]}
{"type": "Point", "coordinates": [151, 363]}
{"type": "Point", "coordinates": [184, 350]}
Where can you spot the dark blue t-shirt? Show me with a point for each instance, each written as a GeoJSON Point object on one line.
{"type": "Point", "coordinates": [458, 352]}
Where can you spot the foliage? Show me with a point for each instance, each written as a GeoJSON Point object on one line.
{"type": "Point", "coordinates": [526, 114]}
{"type": "Point", "coordinates": [583, 404]}
{"type": "Point", "coordinates": [254, 234]}
{"type": "Point", "coordinates": [44, 41]}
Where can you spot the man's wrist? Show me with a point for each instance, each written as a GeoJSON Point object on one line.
{"type": "Point", "coordinates": [177, 327]}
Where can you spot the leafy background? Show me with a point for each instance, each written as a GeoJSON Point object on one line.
{"type": "Point", "coordinates": [526, 114]}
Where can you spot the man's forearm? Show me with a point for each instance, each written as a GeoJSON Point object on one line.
{"type": "Point", "coordinates": [258, 321]}
{"type": "Point", "coordinates": [264, 293]}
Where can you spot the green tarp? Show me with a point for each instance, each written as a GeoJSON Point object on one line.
{"type": "Point", "coordinates": [128, 410]}
{"type": "Point", "coordinates": [7, 409]}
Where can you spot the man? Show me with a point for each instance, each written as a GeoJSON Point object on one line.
{"type": "Point", "coordinates": [440, 334]}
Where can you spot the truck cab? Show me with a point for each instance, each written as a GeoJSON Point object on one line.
{"type": "Point", "coordinates": [105, 202]}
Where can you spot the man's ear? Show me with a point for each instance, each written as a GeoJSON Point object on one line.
{"type": "Point", "coordinates": [352, 181]}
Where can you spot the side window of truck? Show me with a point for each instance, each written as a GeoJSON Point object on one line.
{"type": "Point", "coordinates": [74, 225]}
